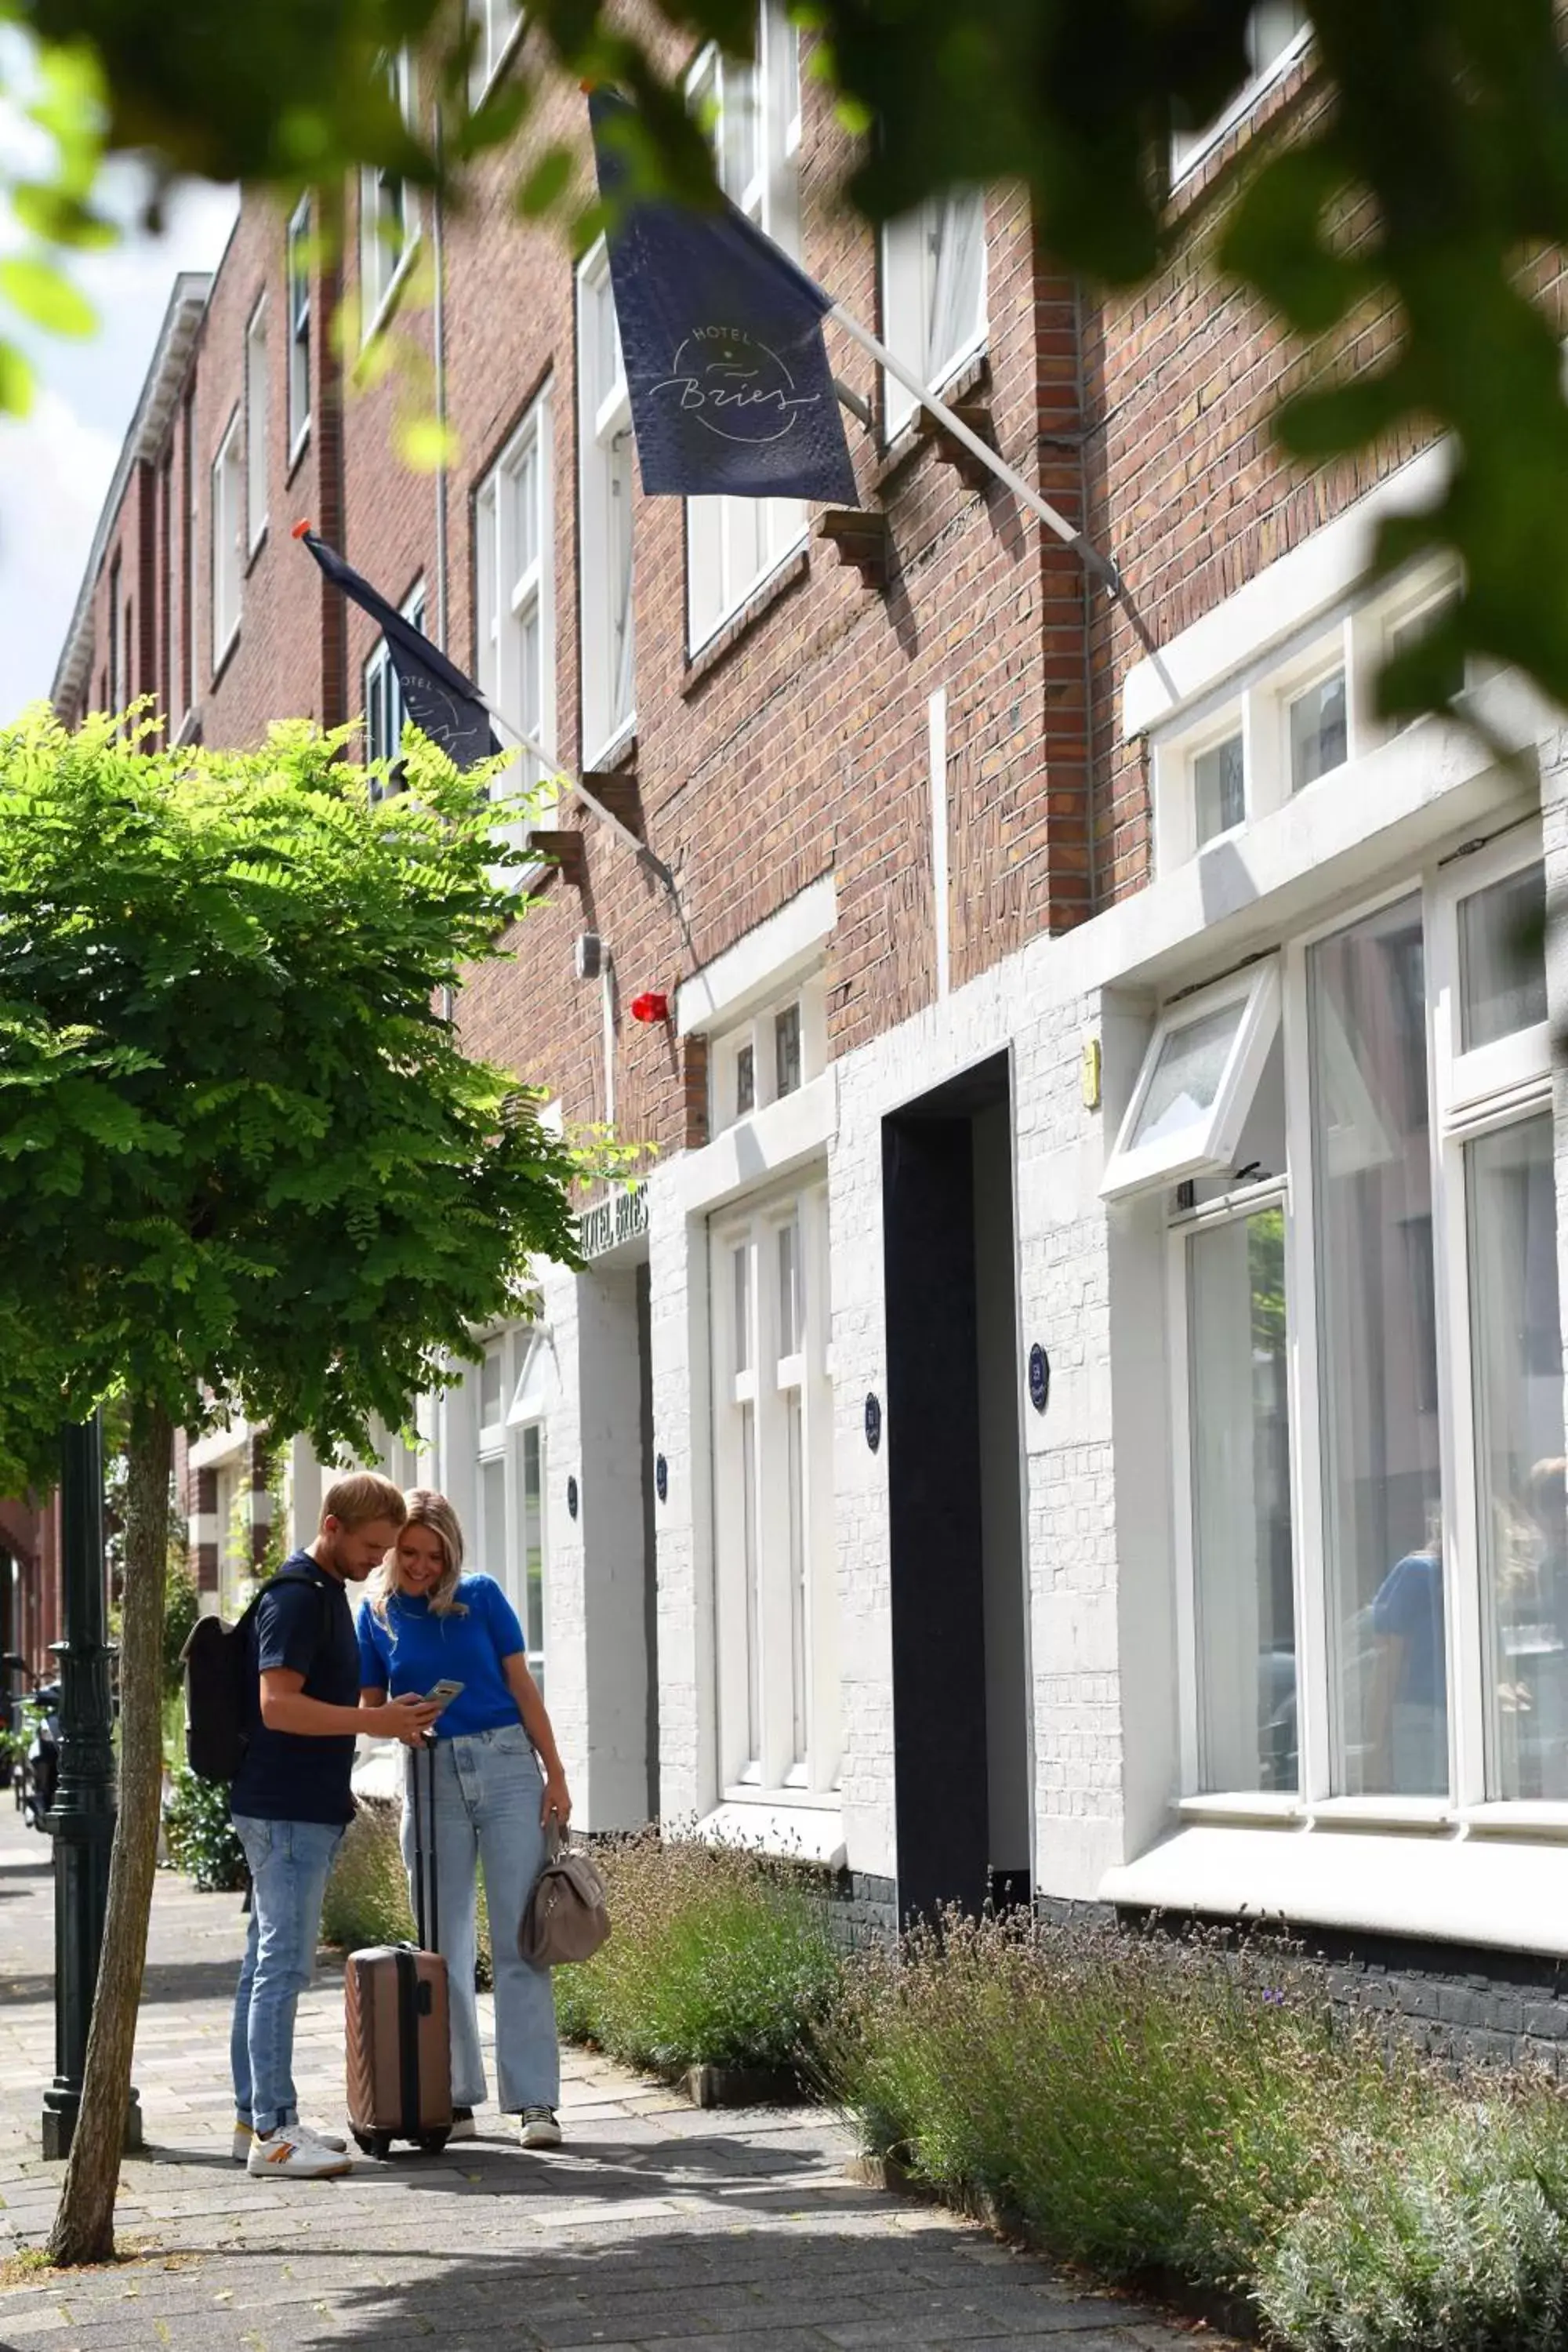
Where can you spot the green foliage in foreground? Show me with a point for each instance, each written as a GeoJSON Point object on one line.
{"type": "Point", "coordinates": [1137, 2104]}
{"type": "Point", "coordinates": [198, 1835]}
{"type": "Point", "coordinates": [716, 1957]}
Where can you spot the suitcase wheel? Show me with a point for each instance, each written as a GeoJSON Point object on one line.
{"type": "Point", "coordinates": [433, 2142]}
{"type": "Point", "coordinates": [374, 2143]}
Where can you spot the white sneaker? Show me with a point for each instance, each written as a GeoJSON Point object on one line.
{"type": "Point", "coordinates": [243, 2137]}
{"type": "Point", "coordinates": [463, 2125]}
{"type": "Point", "coordinates": [290, 2154]}
{"type": "Point", "coordinates": [322, 2139]}
{"type": "Point", "coordinates": [539, 2128]}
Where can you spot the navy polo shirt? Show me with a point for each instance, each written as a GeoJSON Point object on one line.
{"type": "Point", "coordinates": [307, 1627]}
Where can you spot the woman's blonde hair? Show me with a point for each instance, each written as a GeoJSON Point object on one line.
{"type": "Point", "coordinates": [425, 1508]}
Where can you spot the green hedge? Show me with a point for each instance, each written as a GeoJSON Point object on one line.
{"type": "Point", "coordinates": [367, 1893]}
{"type": "Point", "coordinates": [198, 1835]}
{"type": "Point", "coordinates": [715, 1956]}
{"type": "Point", "coordinates": [1138, 2104]}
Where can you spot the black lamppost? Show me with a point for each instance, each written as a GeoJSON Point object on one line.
{"type": "Point", "coordinates": [83, 1815]}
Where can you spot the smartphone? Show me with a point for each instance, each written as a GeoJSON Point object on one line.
{"type": "Point", "coordinates": [443, 1694]}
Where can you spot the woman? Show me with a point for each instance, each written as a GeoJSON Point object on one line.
{"type": "Point", "coordinates": [425, 1622]}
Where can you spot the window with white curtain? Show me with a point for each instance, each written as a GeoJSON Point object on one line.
{"type": "Point", "coordinates": [388, 210]}
{"type": "Point", "coordinates": [256, 409]}
{"type": "Point", "coordinates": [753, 113]}
{"type": "Point", "coordinates": [933, 294]}
{"type": "Point", "coordinates": [298, 276]}
{"type": "Point", "coordinates": [510, 1542]}
{"type": "Point", "coordinates": [515, 582]}
{"type": "Point", "coordinates": [495, 25]}
{"type": "Point", "coordinates": [1368, 1374]}
{"type": "Point", "coordinates": [605, 490]}
{"type": "Point", "coordinates": [384, 712]}
{"type": "Point", "coordinates": [228, 537]}
{"type": "Point", "coordinates": [779, 1723]}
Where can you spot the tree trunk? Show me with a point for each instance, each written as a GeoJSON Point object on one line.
{"type": "Point", "coordinates": [84, 2223]}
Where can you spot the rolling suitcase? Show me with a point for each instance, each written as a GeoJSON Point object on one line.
{"type": "Point", "coordinates": [395, 2025]}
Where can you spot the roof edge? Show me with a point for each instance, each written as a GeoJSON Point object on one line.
{"type": "Point", "coordinates": [148, 429]}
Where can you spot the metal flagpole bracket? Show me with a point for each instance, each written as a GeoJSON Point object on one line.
{"type": "Point", "coordinates": [574, 786]}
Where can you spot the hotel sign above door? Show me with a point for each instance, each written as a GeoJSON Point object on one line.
{"type": "Point", "coordinates": [610, 1222]}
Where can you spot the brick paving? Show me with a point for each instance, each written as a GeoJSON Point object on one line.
{"type": "Point", "coordinates": [656, 2225]}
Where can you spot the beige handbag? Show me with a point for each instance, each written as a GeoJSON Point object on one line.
{"type": "Point", "coordinates": [566, 1918]}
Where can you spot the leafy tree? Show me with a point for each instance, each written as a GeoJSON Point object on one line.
{"type": "Point", "coordinates": [244, 1165]}
{"type": "Point", "coordinates": [1432, 185]}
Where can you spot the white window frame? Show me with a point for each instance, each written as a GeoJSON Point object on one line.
{"type": "Point", "coordinates": [297, 284]}
{"type": "Point", "coordinates": [227, 542]}
{"type": "Point", "coordinates": [256, 451]}
{"type": "Point", "coordinates": [512, 594]}
{"type": "Point", "coordinates": [1469, 1095]}
{"type": "Point", "coordinates": [383, 261]}
{"type": "Point", "coordinates": [757, 1032]}
{"type": "Point", "coordinates": [1189, 149]}
{"type": "Point", "coordinates": [1209, 1144]}
{"type": "Point", "coordinates": [605, 494]}
{"type": "Point", "coordinates": [381, 691]}
{"type": "Point", "coordinates": [498, 24]}
{"type": "Point", "coordinates": [791, 1686]}
{"type": "Point", "coordinates": [1255, 701]}
{"type": "Point", "coordinates": [734, 545]}
{"type": "Point", "coordinates": [910, 271]}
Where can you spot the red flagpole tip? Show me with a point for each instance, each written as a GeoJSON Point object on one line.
{"type": "Point", "coordinates": [587, 87]}
{"type": "Point", "coordinates": [299, 529]}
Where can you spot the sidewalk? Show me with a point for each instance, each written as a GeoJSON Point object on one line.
{"type": "Point", "coordinates": [655, 2226]}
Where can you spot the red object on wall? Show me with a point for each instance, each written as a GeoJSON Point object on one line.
{"type": "Point", "coordinates": [651, 1006]}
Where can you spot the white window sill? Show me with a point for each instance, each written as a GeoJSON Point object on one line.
{"type": "Point", "coordinates": [962, 364]}
{"type": "Point", "coordinates": [1185, 162]}
{"type": "Point", "coordinates": [732, 611]}
{"type": "Point", "coordinates": [763, 962]}
{"type": "Point", "coordinates": [1508, 1892]}
{"type": "Point", "coordinates": [221, 657]}
{"type": "Point", "coordinates": [1247, 1805]}
{"type": "Point", "coordinates": [611, 749]}
{"type": "Point", "coordinates": [764, 1144]}
{"type": "Point", "coordinates": [790, 1825]}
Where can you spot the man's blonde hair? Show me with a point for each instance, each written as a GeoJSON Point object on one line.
{"type": "Point", "coordinates": [423, 1508]}
{"type": "Point", "coordinates": [361, 1496]}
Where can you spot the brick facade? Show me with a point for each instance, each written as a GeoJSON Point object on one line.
{"type": "Point", "coordinates": [793, 746]}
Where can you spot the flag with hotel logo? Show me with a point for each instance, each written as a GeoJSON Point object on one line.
{"type": "Point", "coordinates": [443, 703]}
{"type": "Point", "coordinates": [727, 372]}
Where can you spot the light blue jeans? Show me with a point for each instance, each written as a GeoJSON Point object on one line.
{"type": "Point", "coordinates": [488, 1789]}
{"type": "Point", "coordinates": [288, 1864]}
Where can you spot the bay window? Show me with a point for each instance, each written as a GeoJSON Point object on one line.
{"type": "Point", "coordinates": [514, 563]}
{"type": "Point", "coordinates": [1367, 1375]}
{"type": "Point", "coordinates": [777, 1611]}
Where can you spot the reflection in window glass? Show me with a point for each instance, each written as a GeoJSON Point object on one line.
{"type": "Point", "coordinates": [789, 1289]}
{"type": "Point", "coordinates": [1377, 1367]}
{"type": "Point", "coordinates": [786, 1047]}
{"type": "Point", "coordinates": [795, 1447]}
{"type": "Point", "coordinates": [1187, 1075]}
{"type": "Point", "coordinates": [745, 1081]}
{"type": "Point", "coordinates": [1516, 1349]}
{"type": "Point", "coordinates": [741, 1275]}
{"type": "Point", "coordinates": [754, 1594]}
{"type": "Point", "coordinates": [1317, 730]}
{"type": "Point", "coordinates": [489, 1388]}
{"type": "Point", "coordinates": [1241, 1505]}
{"type": "Point", "coordinates": [1502, 967]}
{"type": "Point", "coordinates": [1219, 788]}
{"type": "Point", "coordinates": [493, 1507]}
{"type": "Point", "coordinates": [1450, 681]}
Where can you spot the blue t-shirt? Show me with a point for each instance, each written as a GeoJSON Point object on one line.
{"type": "Point", "coordinates": [309, 1628]}
{"type": "Point", "coordinates": [413, 1650]}
{"type": "Point", "coordinates": [1409, 1603]}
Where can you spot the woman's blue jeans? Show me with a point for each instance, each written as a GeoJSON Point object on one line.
{"type": "Point", "coordinates": [288, 1864]}
{"type": "Point", "coordinates": [488, 1791]}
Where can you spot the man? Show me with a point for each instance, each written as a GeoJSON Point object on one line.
{"type": "Point", "coordinates": [291, 1802]}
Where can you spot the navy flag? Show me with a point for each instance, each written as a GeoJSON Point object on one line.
{"type": "Point", "coordinates": [730, 389]}
{"type": "Point", "coordinates": [438, 699]}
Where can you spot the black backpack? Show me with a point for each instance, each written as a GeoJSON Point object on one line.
{"type": "Point", "coordinates": [215, 1661]}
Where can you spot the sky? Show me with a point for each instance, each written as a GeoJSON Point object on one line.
{"type": "Point", "coordinates": [54, 464]}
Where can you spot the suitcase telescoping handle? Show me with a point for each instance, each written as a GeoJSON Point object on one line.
{"type": "Point", "coordinates": [424, 1856]}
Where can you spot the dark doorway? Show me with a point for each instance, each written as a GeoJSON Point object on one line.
{"type": "Point", "coordinates": [960, 1704]}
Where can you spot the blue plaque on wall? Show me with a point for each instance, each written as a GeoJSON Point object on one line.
{"type": "Point", "coordinates": [1039, 1378]}
{"type": "Point", "coordinates": [572, 1498]}
{"type": "Point", "coordinates": [873, 1420]}
{"type": "Point", "coordinates": [661, 1478]}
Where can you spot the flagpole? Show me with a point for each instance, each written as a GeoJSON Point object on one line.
{"type": "Point", "coordinates": [1087, 552]}
{"type": "Point", "coordinates": [536, 751]}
